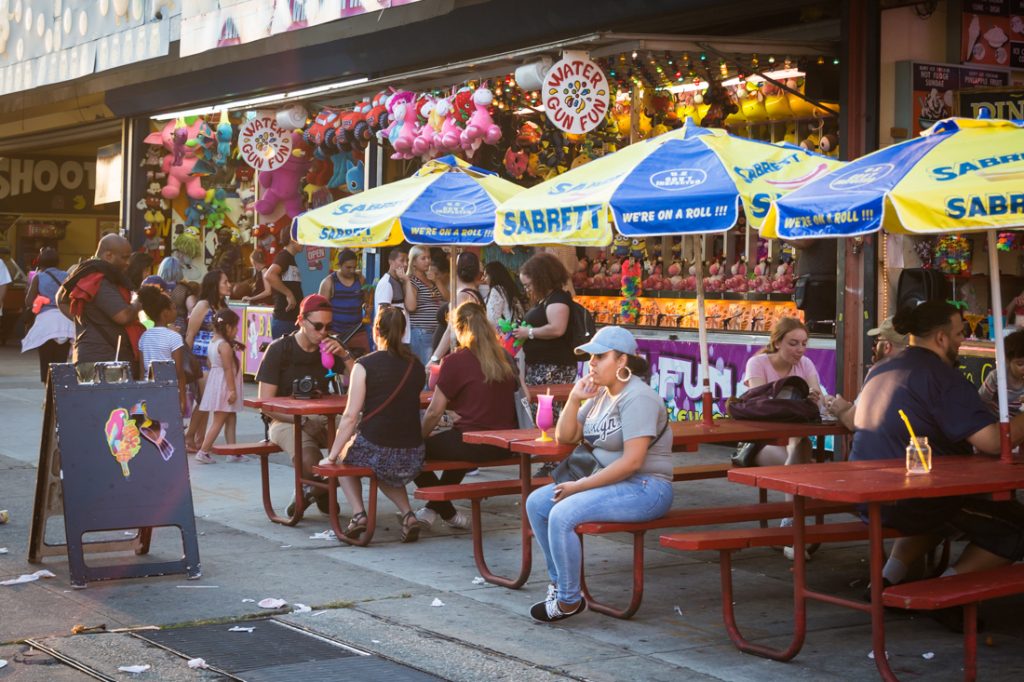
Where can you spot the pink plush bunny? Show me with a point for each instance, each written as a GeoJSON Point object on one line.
{"type": "Point", "coordinates": [403, 137]}
{"type": "Point", "coordinates": [449, 138]}
{"type": "Point", "coordinates": [281, 185]}
{"type": "Point", "coordinates": [481, 127]}
{"type": "Point", "coordinates": [178, 163]}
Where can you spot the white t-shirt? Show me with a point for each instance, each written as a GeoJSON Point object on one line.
{"type": "Point", "coordinates": [385, 293]}
{"type": "Point", "coordinates": [637, 411]}
{"type": "Point", "coordinates": [158, 344]}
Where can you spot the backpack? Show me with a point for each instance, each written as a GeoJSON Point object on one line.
{"type": "Point", "coordinates": [581, 325]}
{"type": "Point", "coordinates": [784, 400]}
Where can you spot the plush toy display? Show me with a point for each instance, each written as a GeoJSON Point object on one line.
{"type": "Point", "coordinates": [178, 163]}
{"type": "Point", "coordinates": [481, 127]}
{"type": "Point", "coordinates": [403, 133]}
{"type": "Point", "coordinates": [449, 138]}
{"type": "Point", "coordinates": [282, 185]}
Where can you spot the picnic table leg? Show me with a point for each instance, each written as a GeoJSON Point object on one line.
{"type": "Point", "coordinates": [799, 596]}
{"type": "Point", "coordinates": [970, 642]}
{"type": "Point", "coordinates": [877, 609]}
{"type": "Point", "coordinates": [638, 582]}
{"type": "Point", "coordinates": [526, 557]}
{"type": "Point", "coordinates": [334, 512]}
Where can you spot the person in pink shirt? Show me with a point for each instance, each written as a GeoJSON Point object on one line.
{"type": "Point", "coordinates": [784, 357]}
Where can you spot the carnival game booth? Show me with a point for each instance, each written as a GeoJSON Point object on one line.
{"type": "Point", "coordinates": [227, 180]}
{"type": "Point", "coordinates": [692, 181]}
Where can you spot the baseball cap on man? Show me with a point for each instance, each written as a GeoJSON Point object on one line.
{"type": "Point", "coordinates": [314, 303]}
{"type": "Point", "coordinates": [609, 338]}
{"type": "Point", "coordinates": [888, 332]}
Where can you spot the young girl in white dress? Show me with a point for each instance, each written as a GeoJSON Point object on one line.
{"type": "Point", "coordinates": [223, 395]}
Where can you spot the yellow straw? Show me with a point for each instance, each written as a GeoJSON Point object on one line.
{"type": "Point", "coordinates": [913, 439]}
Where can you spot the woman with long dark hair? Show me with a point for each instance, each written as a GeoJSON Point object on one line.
{"type": "Point", "coordinates": [504, 300]}
{"type": "Point", "coordinates": [380, 428]}
{"type": "Point", "coordinates": [213, 293]}
{"type": "Point", "coordinates": [478, 383]}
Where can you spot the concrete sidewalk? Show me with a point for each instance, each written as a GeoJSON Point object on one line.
{"type": "Point", "coordinates": [378, 599]}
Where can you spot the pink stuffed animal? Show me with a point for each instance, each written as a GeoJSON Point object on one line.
{"type": "Point", "coordinates": [423, 145]}
{"type": "Point", "coordinates": [481, 127]}
{"type": "Point", "coordinates": [180, 160]}
{"type": "Point", "coordinates": [282, 185]}
{"type": "Point", "coordinates": [403, 136]}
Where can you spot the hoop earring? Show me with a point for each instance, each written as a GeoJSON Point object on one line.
{"type": "Point", "coordinates": [629, 373]}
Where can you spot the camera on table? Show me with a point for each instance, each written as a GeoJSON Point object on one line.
{"type": "Point", "coordinates": [305, 388]}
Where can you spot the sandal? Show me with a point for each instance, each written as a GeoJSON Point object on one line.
{"type": "Point", "coordinates": [356, 526]}
{"type": "Point", "coordinates": [410, 527]}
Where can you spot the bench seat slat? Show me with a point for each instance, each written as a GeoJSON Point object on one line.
{"type": "Point", "coordinates": [259, 449]}
{"type": "Point", "coordinates": [956, 590]}
{"type": "Point", "coordinates": [743, 538]}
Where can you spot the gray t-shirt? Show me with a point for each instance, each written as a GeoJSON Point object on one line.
{"type": "Point", "coordinates": [637, 411]}
{"type": "Point", "coordinates": [97, 333]}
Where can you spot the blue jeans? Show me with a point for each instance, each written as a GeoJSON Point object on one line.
{"type": "Point", "coordinates": [641, 497]}
{"type": "Point", "coordinates": [279, 328]}
{"type": "Point", "coordinates": [422, 341]}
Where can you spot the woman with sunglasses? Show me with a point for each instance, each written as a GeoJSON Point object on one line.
{"type": "Point", "coordinates": [293, 357]}
{"type": "Point", "coordinates": [624, 426]}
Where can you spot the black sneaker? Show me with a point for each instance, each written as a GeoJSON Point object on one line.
{"type": "Point", "coordinates": [307, 496]}
{"type": "Point", "coordinates": [548, 611]}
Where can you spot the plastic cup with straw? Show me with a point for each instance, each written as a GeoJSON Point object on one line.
{"type": "Point", "coordinates": [925, 462]}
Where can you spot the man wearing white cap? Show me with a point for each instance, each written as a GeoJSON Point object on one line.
{"type": "Point", "coordinates": [888, 342]}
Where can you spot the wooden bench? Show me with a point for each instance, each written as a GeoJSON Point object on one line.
{"type": "Point", "coordinates": [966, 590]}
{"type": "Point", "coordinates": [680, 518]}
{"type": "Point", "coordinates": [334, 472]}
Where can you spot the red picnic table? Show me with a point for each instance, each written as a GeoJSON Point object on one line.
{"type": "Point", "coordinates": [687, 436]}
{"type": "Point", "coordinates": [874, 483]}
{"type": "Point", "coordinates": [331, 406]}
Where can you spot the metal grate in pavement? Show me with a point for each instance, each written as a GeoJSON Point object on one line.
{"type": "Point", "coordinates": [269, 644]}
{"type": "Point", "coordinates": [275, 652]}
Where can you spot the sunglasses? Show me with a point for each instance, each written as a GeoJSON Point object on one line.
{"type": "Point", "coordinates": [319, 326]}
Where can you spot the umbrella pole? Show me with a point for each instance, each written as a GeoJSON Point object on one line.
{"type": "Point", "coordinates": [702, 335]}
{"type": "Point", "coordinates": [1005, 446]}
{"type": "Point", "coordinates": [453, 284]}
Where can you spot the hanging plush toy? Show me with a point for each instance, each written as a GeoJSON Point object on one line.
{"type": "Point", "coordinates": [340, 164]}
{"type": "Point", "coordinates": [481, 126]}
{"type": "Point", "coordinates": [629, 306]}
{"type": "Point", "coordinates": [323, 131]}
{"type": "Point", "coordinates": [187, 245]}
{"type": "Point", "coordinates": [282, 185]}
{"type": "Point", "coordinates": [423, 145]}
{"type": "Point", "coordinates": [354, 178]}
{"type": "Point", "coordinates": [449, 138]}
{"type": "Point", "coordinates": [404, 132]}
{"type": "Point", "coordinates": [178, 163]}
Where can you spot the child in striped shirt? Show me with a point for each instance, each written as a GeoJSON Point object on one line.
{"type": "Point", "coordinates": [160, 344]}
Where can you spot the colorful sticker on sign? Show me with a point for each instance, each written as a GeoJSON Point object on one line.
{"type": "Point", "coordinates": [263, 144]}
{"type": "Point", "coordinates": [576, 94]}
{"type": "Point", "coordinates": [122, 438]}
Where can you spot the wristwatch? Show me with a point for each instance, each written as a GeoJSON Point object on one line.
{"type": "Point", "coordinates": [529, 332]}
{"type": "Point", "coordinates": [434, 360]}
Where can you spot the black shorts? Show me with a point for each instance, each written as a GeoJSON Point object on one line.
{"type": "Point", "coordinates": [997, 527]}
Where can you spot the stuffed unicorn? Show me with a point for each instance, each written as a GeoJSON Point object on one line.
{"type": "Point", "coordinates": [481, 127]}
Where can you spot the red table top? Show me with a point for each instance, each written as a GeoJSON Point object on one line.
{"type": "Point", "coordinates": [685, 435]}
{"type": "Point", "coordinates": [886, 480]}
{"type": "Point", "coordinates": [335, 404]}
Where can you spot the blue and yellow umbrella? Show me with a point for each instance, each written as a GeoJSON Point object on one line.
{"type": "Point", "coordinates": [687, 181]}
{"type": "Point", "coordinates": [448, 202]}
{"type": "Point", "coordinates": [960, 175]}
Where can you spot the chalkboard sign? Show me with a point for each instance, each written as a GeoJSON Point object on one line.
{"type": "Point", "coordinates": [123, 464]}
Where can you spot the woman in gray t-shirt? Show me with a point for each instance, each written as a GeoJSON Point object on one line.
{"type": "Point", "coordinates": [624, 424]}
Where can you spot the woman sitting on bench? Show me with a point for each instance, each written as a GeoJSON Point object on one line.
{"type": "Point", "coordinates": [387, 437]}
{"type": "Point", "coordinates": [478, 383]}
{"type": "Point", "coordinates": [624, 426]}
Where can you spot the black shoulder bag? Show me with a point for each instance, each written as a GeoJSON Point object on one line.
{"type": "Point", "coordinates": [582, 462]}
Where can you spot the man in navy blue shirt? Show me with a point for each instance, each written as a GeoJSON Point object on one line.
{"type": "Point", "coordinates": [941, 404]}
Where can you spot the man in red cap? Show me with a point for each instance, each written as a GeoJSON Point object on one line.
{"type": "Point", "coordinates": [288, 361]}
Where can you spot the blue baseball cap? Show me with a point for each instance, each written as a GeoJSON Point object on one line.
{"type": "Point", "coordinates": [609, 338]}
{"type": "Point", "coordinates": [157, 280]}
